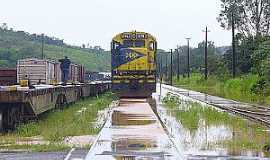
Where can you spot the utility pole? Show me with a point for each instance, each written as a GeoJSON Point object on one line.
{"type": "Point", "coordinates": [160, 78]}
{"type": "Point", "coordinates": [166, 66]}
{"type": "Point", "coordinates": [42, 47]}
{"type": "Point", "coordinates": [206, 54]}
{"type": "Point", "coordinates": [157, 67]}
{"type": "Point", "coordinates": [233, 45]}
{"type": "Point", "coordinates": [178, 64]}
{"type": "Point", "coordinates": [160, 67]}
{"type": "Point", "coordinates": [171, 80]}
{"type": "Point", "coordinates": [188, 57]}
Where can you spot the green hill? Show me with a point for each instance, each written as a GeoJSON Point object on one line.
{"type": "Point", "coordinates": [16, 45]}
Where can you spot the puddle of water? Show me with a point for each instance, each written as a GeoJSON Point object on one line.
{"type": "Point", "coordinates": [120, 118]}
{"type": "Point", "coordinates": [133, 144]}
{"type": "Point", "coordinates": [133, 132]}
{"type": "Point", "coordinates": [209, 133]}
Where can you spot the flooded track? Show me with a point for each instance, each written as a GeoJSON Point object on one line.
{"type": "Point", "coordinates": [136, 131]}
{"type": "Point", "coordinates": [253, 112]}
{"type": "Point", "coordinates": [212, 140]}
{"type": "Point", "coordinates": [133, 132]}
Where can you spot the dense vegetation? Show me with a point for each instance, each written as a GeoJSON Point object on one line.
{"type": "Point", "coordinates": [252, 41]}
{"type": "Point", "coordinates": [16, 45]}
{"type": "Point", "coordinates": [240, 88]}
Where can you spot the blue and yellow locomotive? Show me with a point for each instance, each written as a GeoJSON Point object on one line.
{"type": "Point", "coordinates": [133, 56]}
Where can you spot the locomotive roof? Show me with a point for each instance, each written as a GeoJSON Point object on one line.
{"type": "Point", "coordinates": [137, 32]}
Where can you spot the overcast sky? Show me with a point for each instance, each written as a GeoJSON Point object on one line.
{"type": "Point", "coordinates": [97, 21]}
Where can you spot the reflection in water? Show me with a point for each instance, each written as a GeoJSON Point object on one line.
{"type": "Point", "coordinates": [137, 147]}
{"type": "Point", "coordinates": [124, 144]}
{"type": "Point", "coordinates": [217, 135]}
{"type": "Point", "coordinates": [133, 132]}
{"type": "Point", "coordinates": [120, 118]}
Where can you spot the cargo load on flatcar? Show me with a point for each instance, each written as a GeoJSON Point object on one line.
{"type": "Point", "coordinates": [43, 71]}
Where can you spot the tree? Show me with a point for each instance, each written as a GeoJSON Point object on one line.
{"type": "Point", "coordinates": [4, 26]}
{"type": "Point", "coordinates": [261, 65]}
{"type": "Point", "coordinates": [260, 58]}
{"type": "Point", "coordinates": [252, 17]}
{"type": "Point", "coordinates": [197, 56]}
{"type": "Point", "coordinates": [197, 59]}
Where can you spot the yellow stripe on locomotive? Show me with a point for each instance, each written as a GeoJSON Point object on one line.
{"type": "Point", "coordinates": [133, 64]}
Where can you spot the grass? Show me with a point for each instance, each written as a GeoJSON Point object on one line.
{"type": "Point", "coordinates": [246, 135]}
{"type": "Point", "coordinates": [237, 89]}
{"type": "Point", "coordinates": [75, 120]}
{"type": "Point", "coordinates": [193, 112]}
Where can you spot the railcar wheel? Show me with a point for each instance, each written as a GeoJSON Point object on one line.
{"type": "Point", "coordinates": [8, 118]}
{"type": "Point", "coordinates": [13, 118]}
{"type": "Point", "coordinates": [60, 102]}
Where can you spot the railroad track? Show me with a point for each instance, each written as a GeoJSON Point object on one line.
{"type": "Point", "coordinates": [256, 113]}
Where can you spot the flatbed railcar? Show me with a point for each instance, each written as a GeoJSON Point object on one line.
{"type": "Point", "coordinates": [21, 104]}
{"type": "Point", "coordinates": [133, 61]}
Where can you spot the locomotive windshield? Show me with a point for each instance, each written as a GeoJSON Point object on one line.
{"type": "Point", "coordinates": [134, 43]}
{"type": "Point", "coordinates": [139, 43]}
{"type": "Point", "coordinates": [128, 43]}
